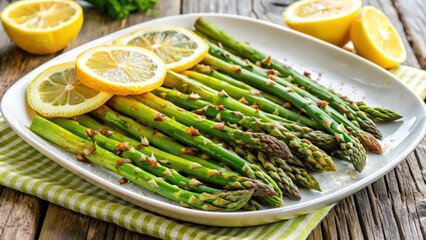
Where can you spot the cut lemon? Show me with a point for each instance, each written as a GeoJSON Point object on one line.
{"type": "Point", "coordinates": [43, 26]}
{"type": "Point", "coordinates": [375, 38]}
{"type": "Point", "coordinates": [329, 20]}
{"type": "Point", "coordinates": [121, 70]}
{"type": "Point", "coordinates": [179, 48]}
{"type": "Point", "coordinates": [57, 92]}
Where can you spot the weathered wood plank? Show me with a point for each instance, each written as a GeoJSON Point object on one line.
{"type": "Point", "coordinates": [412, 14]}
{"type": "Point", "coordinates": [20, 214]}
{"type": "Point", "coordinates": [239, 7]}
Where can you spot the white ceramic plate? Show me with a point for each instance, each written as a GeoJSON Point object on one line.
{"type": "Point", "coordinates": [345, 72]}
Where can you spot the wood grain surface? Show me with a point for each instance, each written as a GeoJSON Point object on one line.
{"type": "Point", "coordinates": [394, 207]}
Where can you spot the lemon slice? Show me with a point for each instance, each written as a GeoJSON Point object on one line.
{"type": "Point", "coordinates": [179, 48]}
{"type": "Point", "coordinates": [57, 92]}
{"type": "Point", "coordinates": [375, 38]}
{"type": "Point", "coordinates": [43, 26]}
{"type": "Point", "coordinates": [329, 20]}
{"type": "Point", "coordinates": [121, 70]}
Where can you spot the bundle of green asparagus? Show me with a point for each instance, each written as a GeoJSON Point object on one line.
{"type": "Point", "coordinates": [236, 131]}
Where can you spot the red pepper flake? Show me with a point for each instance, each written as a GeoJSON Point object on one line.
{"type": "Point", "coordinates": [236, 68]}
{"type": "Point", "coordinates": [194, 96]}
{"type": "Point", "coordinates": [288, 105]}
{"type": "Point", "coordinates": [193, 132]}
{"type": "Point", "coordinates": [259, 64]}
{"type": "Point", "coordinates": [121, 161]}
{"type": "Point", "coordinates": [243, 100]}
{"type": "Point", "coordinates": [307, 74]}
{"type": "Point", "coordinates": [121, 147]}
{"type": "Point", "coordinates": [139, 146]}
{"type": "Point", "coordinates": [199, 111]}
{"type": "Point", "coordinates": [322, 103]}
{"type": "Point", "coordinates": [267, 61]}
{"type": "Point", "coordinates": [106, 132]}
{"type": "Point", "coordinates": [219, 126]}
{"type": "Point", "coordinates": [189, 151]}
{"type": "Point", "coordinates": [255, 106]}
{"type": "Point", "coordinates": [159, 117]}
{"type": "Point", "coordinates": [220, 107]}
{"type": "Point", "coordinates": [273, 72]}
{"type": "Point", "coordinates": [123, 181]}
{"type": "Point", "coordinates": [152, 160]}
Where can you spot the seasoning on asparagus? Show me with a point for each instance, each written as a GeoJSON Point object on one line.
{"type": "Point", "coordinates": [246, 51]}
{"type": "Point", "coordinates": [84, 149]}
{"type": "Point", "coordinates": [350, 145]}
{"type": "Point", "coordinates": [192, 165]}
{"type": "Point", "coordinates": [258, 141]}
{"type": "Point", "coordinates": [188, 135]}
{"type": "Point", "coordinates": [368, 140]}
{"type": "Point", "coordinates": [304, 150]}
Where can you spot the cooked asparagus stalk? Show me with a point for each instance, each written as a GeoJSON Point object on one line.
{"type": "Point", "coordinates": [379, 114]}
{"type": "Point", "coordinates": [84, 149]}
{"type": "Point", "coordinates": [263, 104]}
{"type": "Point", "coordinates": [246, 51]}
{"type": "Point", "coordinates": [299, 175]}
{"type": "Point", "coordinates": [318, 138]}
{"type": "Point", "coordinates": [250, 140]}
{"type": "Point", "coordinates": [199, 168]}
{"type": "Point", "coordinates": [127, 151]}
{"type": "Point", "coordinates": [285, 182]}
{"type": "Point", "coordinates": [368, 141]}
{"type": "Point", "coordinates": [250, 95]}
{"type": "Point", "coordinates": [188, 135]}
{"type": "Point", "coordinates": [304, 150]}
{"type": "Point", "coordinates": [349, 145]}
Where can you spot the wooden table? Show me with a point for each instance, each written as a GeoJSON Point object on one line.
{"type": "Point", "coordinates": [394, 207]}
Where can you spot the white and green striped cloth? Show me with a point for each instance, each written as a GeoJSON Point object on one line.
{"type": "Point", "coordinates": [24, 169]}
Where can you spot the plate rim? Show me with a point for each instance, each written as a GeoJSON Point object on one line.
{"type": "Point", "coordinates": [322, 201]}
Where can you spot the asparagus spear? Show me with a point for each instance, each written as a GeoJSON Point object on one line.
{"type": "Point", "coordinates": [379, 114]}
{"type": "Point", "coordinates": [199, 168]}
{"type": "Point", "coordinates": [366, 139]}
{"type": "Point", "coordinates": [318, 138]}
{"type": "Point", "coordinates": [299, 175]}
{"type": "Point", "coordinates": [244, 50]}
{"type": "Point", "coordinates": [351, 146]}
{"type": "Point", "coordinates": [188, 135]}
{"type": "Point", "coordinates": [84, 149]}
{"type": "Point", "coordinates": [304, 150]}
{"type": "Point", "coordinates": [249, 97]}
{"type": "Point", "coordinates": [267, 102]}
{"type": "Point", "coordinates": [127, 151]}
{"type": "Point", "coordinates": [257, 141]}
{"type": "Point", "coordinates": [285, 182]}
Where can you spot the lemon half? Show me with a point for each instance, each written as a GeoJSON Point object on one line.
{"type": "Point", "coordinates": [375, 38]}
{"type": "Point", "coordinates": [43, 26]}
{"type": "Point", "coordinates": [329, 20]}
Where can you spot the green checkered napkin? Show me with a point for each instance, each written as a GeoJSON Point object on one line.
{"type": "Point", "coordinates": [24, 169]}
